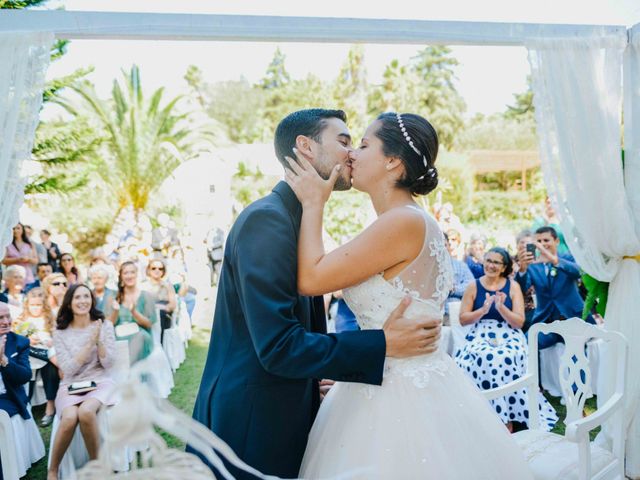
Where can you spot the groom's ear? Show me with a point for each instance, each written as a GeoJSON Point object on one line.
{"type": "Point", "coordinates": [304, 145]}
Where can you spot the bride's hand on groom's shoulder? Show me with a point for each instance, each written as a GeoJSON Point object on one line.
{"type": "Point", "coordinates": [407, 337]}
{"type": "Point", "coordinates": [310, 188]}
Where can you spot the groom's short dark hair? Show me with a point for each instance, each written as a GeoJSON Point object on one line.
{"type": "Point", "coordinates": [310, 123]}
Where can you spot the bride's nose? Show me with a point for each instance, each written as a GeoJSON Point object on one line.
{"type": "Point", "coordinates": [352, 154]}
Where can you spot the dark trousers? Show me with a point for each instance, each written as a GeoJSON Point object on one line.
{"type": "Point", "coordinates": [50, 381]}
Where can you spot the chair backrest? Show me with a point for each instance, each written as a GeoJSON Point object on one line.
{"type": "Point", "coordinates": [121, 366]}
{"type": "Point", "coordinates": [454, 314]}
{"type": "Point", "coordinates": [574, 372]}
{"type": "Point", "coordinates": [8, 448]}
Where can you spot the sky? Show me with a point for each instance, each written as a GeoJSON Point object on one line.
{"type": "Point", "coordinates": [487, 77]}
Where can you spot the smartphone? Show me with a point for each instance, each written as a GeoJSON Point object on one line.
{"type": "Point", "coordinates": [531, 248]}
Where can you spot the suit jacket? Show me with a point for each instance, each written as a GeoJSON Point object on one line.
{"type": "Point", "coordinates": [268, 346]}
{"type": "Point", "coordinates": [555, 295]}
{"type": "Point", "coordinates": [17, 372]}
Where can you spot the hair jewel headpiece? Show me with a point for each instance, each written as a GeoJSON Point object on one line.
{"type": "Point", "coordinates": [408, 139]}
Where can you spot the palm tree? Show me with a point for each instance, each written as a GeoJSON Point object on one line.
{"type": "Point", "coordinates": [143, 141]}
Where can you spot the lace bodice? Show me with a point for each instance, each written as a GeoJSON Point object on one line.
{"type": "Point", "coordinates": [428, 279]}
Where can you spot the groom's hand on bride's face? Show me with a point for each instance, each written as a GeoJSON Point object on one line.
{"type": "Point", "coordinates": [410, 337]}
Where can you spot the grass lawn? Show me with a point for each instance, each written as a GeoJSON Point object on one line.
{"type": "Point", "coordinates": [187, 380]}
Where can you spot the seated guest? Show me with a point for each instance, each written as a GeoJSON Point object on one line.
{"type": "Point", "coordinates": [55, 286]}
{"type": "Point", "coordinates": [15, 369]}
{"type": "Point", "coordinates": [15, 372]}
{"type": "Point", "coordinates": [14, 281]}
{"type": "Point", "coordinates": [496, 349]}
{"type": "Point", "coordinates": [85, 348]}
{"type": "Point", "coordinates": [98, 276]}
{"type": "Point", "coordinates": [69, 270]}
{"type": "Point", "coordinates": [133, 313]}
{"type": "Point", "coordinates": [162, 291]}
{"type": "Point", "coordinates": [554, 277]}
{"type": "Point", "coordinates": [475, 254]}
{"type": "Point", "coordinates": [42, 271]}
{"type": "Point", "coordinates": [37, 323]}
{"type": "Point", "coordinates": [462, 277]}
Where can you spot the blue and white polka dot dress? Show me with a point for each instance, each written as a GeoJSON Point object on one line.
{"type": "Point", "coordinates": [495, 354]}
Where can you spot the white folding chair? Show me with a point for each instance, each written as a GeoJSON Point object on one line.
{"type": "Point", "coordinates": [458, 331]}
{"type": "Point", "coordinates": [573, 456]}
{"type": "Point", "coordinates": [173, 344]}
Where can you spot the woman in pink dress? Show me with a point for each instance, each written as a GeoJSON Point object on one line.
{"type": "Point", "coordinates": [85, 349]}
{"type": "Point", "coordinates": [21, 252]}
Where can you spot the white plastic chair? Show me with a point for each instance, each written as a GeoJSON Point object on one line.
{"type": "Point", "coordinates": [20, 445]}
{"type": "Point", "coordinates": [458, 331]}
{"type": "Point", "coordinates": [173, 343]}
{"type": "Point", "coordinates": [160, 375]}
{"type": "Point", "coordinates": [573, 456]}
{"type": "Point", "coordinates": [550, 360]}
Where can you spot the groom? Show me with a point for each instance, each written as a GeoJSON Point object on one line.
{"type": "Point", "coordinates": [259, 390]}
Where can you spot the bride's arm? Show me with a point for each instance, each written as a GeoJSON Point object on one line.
{"type": "Point", "coordinates": [395, 237]}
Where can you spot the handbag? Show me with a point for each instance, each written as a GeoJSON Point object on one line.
{"type": "Point", "coordinates": [78, 388]}
{"type": "Point", "coordinates": [126, 329]}
{"type": "Point", "coordinates": [39, 353]}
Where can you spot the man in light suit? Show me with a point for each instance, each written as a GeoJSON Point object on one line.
{"type": "Point", "coordinates": [260, 391]}
{"type": "Point", "coordinates": [554, 277]}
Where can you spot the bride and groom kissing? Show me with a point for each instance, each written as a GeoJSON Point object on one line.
{"type": "Point", "coordinates": [400, 408]}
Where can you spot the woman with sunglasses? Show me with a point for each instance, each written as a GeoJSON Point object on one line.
{"type": "Point", "coordinates": [496, 349]}
{"type": "Point", "coordinates": [55, 286]}
{"type": "Point", "coordinates": [163, 292]}
{"type": "Point", "coordinates": [69, 269]}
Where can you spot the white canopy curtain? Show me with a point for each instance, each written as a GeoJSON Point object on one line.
{"type": "Point", "coordinates": [25, 59]}
{"type": "Point", "coordinates": [577, 85]}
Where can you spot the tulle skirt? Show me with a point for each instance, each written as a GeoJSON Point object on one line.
{"type": "Point", "coordinates": [427, 421]}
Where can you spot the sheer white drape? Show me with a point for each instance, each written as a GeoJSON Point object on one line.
{"type": "Point", "coordinates": [24, 58]}
{"type": "Point", "coordinates": [577, 85]}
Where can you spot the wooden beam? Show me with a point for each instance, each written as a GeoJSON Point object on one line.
{"type": "Point", "coordinates": [253, 28]}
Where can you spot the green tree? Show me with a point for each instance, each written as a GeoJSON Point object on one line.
{"type": "Point", "coordinates": [232, 104]}
{"type": "Point", "coordinates": [350, 91]}
{"type": "Point", "coordinates": [424, 86]}
{"type": "Point", "coordinates": [144, 139]}
{"type": "Point", "coordinates": [523, 108]}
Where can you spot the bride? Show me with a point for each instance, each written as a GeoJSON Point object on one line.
{"type": "Point", "coordinates": [426, 420]}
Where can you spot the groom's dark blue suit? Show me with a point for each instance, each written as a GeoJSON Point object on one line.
{"type": "Point", "coordinates": [259, 390]}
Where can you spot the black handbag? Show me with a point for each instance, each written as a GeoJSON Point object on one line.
{"type": "Point", "coordinates": [39, 353]}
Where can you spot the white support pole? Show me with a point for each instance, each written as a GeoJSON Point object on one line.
{"type": "Point", "coordinates": [165, 26]}
{"type": "Point", "coordinates": [631, 110]}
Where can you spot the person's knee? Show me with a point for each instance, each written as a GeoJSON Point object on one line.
{"type": "Point", "coordinates": [69, 418]}
{"type": "Point", "coordinates": [86, 414]}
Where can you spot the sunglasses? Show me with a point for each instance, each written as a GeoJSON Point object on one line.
{"type": "Point", "coordinates": [57, 284]}
{"type": "Point", "coordinates": [157, 268]}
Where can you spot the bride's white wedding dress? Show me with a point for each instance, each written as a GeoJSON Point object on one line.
{"type": "Point", "coordinates": [427, 420]}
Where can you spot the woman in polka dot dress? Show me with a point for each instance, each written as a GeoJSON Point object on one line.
{"type": "Point", "coordinates": [496, 349]}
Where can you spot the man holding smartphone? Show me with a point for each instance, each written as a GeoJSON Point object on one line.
{"type": "Point", "coordinates": [554, 277]}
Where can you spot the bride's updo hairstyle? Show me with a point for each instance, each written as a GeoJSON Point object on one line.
{"type": "Point", "coordinates": [413, 140]}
